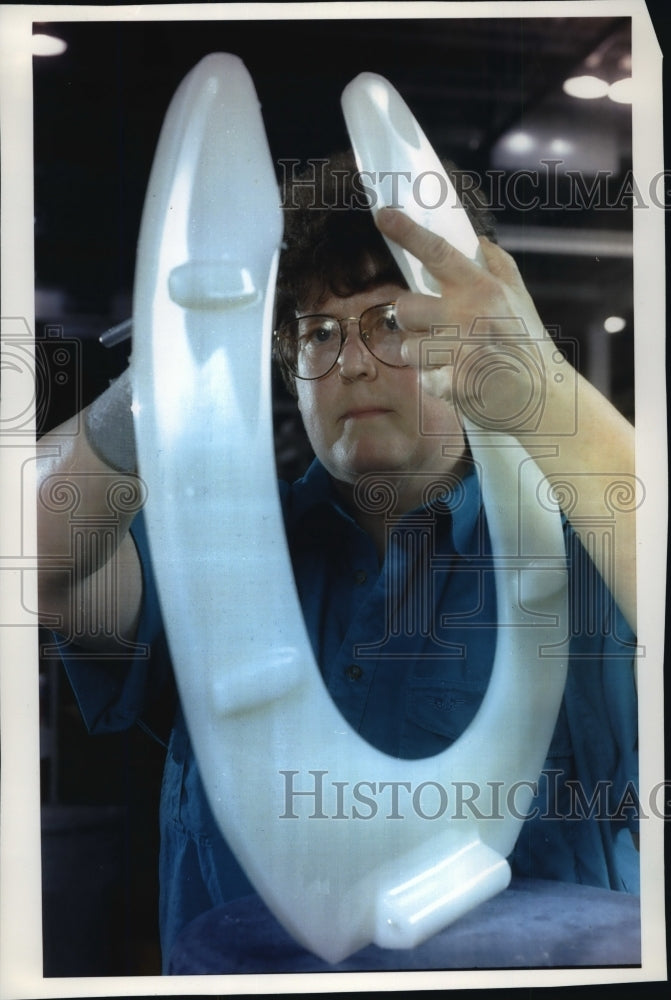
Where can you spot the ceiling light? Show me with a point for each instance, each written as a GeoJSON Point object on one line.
{"type": "Point", "coordinates": [48, 45]}
{"type": "Point", "coordinates": [561, 147]}
{"type": "Point", "coordinates": [585, 87]}
{"type": "Point", "coordinates": [621, 91]}
{"type": "Point", "coordinates": [614, 324]}
{"type": "Point", "coordinates": [520, 142]}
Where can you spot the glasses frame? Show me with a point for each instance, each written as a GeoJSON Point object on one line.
{"type": "Point", "coordinates": [280, 336]}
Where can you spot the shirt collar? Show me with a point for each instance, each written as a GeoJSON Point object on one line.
{"type": "Point", "coordinates": [463, 504]}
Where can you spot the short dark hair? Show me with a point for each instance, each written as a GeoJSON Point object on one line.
{"type": "Point", "coordinates": [331, 243]}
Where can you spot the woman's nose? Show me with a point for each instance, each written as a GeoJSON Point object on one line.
{"type": "Point", "coordinates": [355, 360]}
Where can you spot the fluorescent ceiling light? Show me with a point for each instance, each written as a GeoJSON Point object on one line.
{"type": "Point", "coordinates": [48, 45]}
{"type": "Point", "coordinates": [520, 142]}
{"type": "Point", "coordinates": [621, 91]}
{"type": "Point", "coordinates": [561, 147]}
{"type": "Point", "coordinates": [585, 87]}
{"type": "Point", "coordinates": [614, 324]}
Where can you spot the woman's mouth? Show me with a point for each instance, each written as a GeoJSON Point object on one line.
{"type": "Point", "coordinates": [365, 412]}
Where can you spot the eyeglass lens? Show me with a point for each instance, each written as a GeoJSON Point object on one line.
{"type": "Point", "coordinates": [311, 345]}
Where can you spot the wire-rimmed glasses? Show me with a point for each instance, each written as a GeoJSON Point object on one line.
{"type": "Point", "coordinates": [311, 345]}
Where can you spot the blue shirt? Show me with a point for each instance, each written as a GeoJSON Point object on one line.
{"type": "Point", "coordinates": [406, 651]}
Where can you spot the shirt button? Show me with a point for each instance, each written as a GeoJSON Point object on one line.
{"type": "Point", "coordinates": [354, 672]}
{"type": "Point", "coordinates": [360, 576]}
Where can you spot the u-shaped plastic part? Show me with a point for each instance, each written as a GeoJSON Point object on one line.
{"type": "Point", "coordinates": [268, 739]}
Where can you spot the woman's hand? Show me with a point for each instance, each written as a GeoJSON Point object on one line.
{"type": "Point", "coordinates": [481, 343]}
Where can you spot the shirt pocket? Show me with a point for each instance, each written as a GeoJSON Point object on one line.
{"type": "Point", "coordinates": [437, 714]}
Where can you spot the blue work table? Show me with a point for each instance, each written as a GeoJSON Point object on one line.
{"type": "Point", "coordinates": [533, 924]}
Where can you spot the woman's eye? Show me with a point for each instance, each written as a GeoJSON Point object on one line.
{"type": "Point", "coordinates": [322, 334]}
{"type": "Point", "coordinates": [316, 337]}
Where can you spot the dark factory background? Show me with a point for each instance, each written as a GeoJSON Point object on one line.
{"type": "Point", "coordinates": [489, 94]}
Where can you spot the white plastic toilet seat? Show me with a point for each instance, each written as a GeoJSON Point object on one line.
{"type": "Point", "coordinates": [260, 719]}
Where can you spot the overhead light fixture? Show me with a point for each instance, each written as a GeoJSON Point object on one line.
{"type": "Point", "coordinates": [561, 147]}
{"type": "Point", "coordinates": [48, 45]}
{"type": "Point", "coordinates": [621, 91]}
{"type": "Point", "coordinates": [585, 87]}
{"type": "Point", "coordinates": [520, 142]}
{"type": "Point", "coordinates": [614, 324]}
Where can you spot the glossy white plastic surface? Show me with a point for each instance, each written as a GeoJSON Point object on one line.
{"type": "Point", "coordinates": [302, 799]}
{"type": "Point", "coordinates": [402, 170]}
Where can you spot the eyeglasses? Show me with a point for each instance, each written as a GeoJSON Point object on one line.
{"type": "Point", "coordinates": [311, 345]}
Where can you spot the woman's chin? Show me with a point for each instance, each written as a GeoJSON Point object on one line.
{"type": "Point", "coordinates": [366, 460]}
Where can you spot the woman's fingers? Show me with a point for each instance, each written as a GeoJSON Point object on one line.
{"type": "Point", "coordinates": [447, 264]}
{"type": "Point", "coordinates": [439, 257]}
{"type": "Point", "coordinates": [480, 343]}
{"type": "Point", "coordinates": [502, 265]}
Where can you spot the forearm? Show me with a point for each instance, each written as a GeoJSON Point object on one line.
{"type": "Point", "coordinates": [89, 581]}
{"type": "Point", "coordinates": [75, 486]}
{"type": "Point", "coordinates": [590, 464]}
